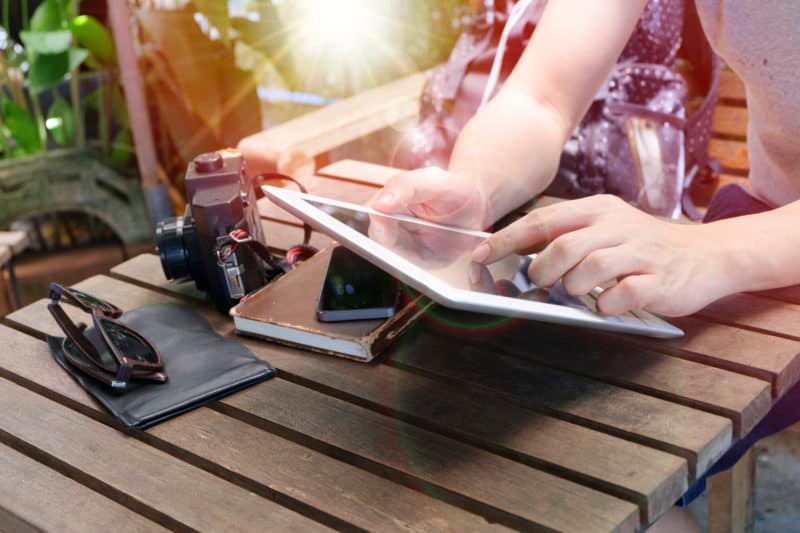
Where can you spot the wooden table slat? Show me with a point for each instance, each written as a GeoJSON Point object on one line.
{"type": "Point", "coordinates": [368, 438]}
{"type": "Point", "coordinates": [729, 120]}
{"type": "Point", "coordinates": [731, 154]}
{"type": "Point", "coordinates": [649, 477]}
{"type": "Point", "coordinates": [503, 489]}
{"type": "Point", "coordinates": [700, 433]}
{"type": "Point", "coordinates": [151, 482]}
{"type": "Point", "coordinates": [699, 436]}
{"type": "Point", "coordinates": [731, 86]}
{"type": "Point", "coordinates": [34, 497]}
{"type": "Point", "coordinates": [694, 434]}
{"type": "Point", "coordinates": [743, 399]}
{"type": "Point", "coordinates": [273, 463]}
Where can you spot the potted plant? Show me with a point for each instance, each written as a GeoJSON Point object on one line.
{"type": "Point", "coordinates": [64, 131]}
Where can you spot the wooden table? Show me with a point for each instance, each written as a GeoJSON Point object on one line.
{"type": "Point", "coordinates": [469, 423]}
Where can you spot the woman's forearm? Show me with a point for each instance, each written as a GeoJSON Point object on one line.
{"type": "Point", "coordinates": [760, 251]}
{"type": "Point", "coordinates": [512, 148]}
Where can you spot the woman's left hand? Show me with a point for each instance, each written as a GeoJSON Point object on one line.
{"type": "Point", "coordinates": [665, 267]}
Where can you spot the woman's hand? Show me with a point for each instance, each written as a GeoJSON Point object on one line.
{"type": "Point", "coordinates": [436, 195]}
{"type": "Point", "coordinates": [667, 268]}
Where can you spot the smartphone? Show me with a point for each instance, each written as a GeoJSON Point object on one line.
{"type": "Point", "coordinates": [355, 289]}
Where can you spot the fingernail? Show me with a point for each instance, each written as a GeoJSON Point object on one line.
{"type": "Point", "coordinates": [386, 199]}
{"type": "Point", "coordinates": [481, 253]}
{"type": "Point", "coordinates": [474, 273]}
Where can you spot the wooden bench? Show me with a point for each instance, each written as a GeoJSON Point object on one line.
{"type": "Point", "coordinates": [12, 243]}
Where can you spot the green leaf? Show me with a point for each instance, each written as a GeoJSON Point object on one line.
{"type": "Point", "coordinates": [122, 148]}
{"type": "Point", "coordinates": [48, 17]}
{"type": "Point", "coordinates": [76, 57]}
{"type": "Point", "coordinates": [47, 70]}
{"type": "Point", "coordinates": [22, 127]}
{"type": "Point", "coordinates": [47, 42]}
{"type": "Point", "coordinates": [93, 36]}
{"type": "Point", "coordinates": [61, 122]}
{"type": "Point", "coordinates": [119, 108]}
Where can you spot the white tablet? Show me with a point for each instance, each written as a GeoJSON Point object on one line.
{"type": "Point", "coordinates": [436, 260]}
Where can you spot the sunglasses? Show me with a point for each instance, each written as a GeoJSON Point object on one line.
{"type": "Point", "coordinates": [125, 355]}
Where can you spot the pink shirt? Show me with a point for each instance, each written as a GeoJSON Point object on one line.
{"type": "Point", "coordinates": [760, 41]}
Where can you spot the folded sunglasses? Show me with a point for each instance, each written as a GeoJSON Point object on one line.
{"type": "Point", "coordinates": [120, 356]}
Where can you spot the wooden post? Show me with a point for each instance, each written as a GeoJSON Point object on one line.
{"type": "Point", "coordinates": [731, 498]}
{"type": "Point", "coordinates": [156, 194]}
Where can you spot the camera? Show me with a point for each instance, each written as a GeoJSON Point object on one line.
{"type": "Point", "coordinates": [203, 244]}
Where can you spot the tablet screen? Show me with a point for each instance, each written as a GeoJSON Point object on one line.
{"type": "Point", "coordinates": [445, 253]}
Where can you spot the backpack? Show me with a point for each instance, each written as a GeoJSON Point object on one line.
{"type": "Point", "coordinates": [642, 139]}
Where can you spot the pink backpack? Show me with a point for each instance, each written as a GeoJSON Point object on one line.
{"type": "Point", "coordinates": [639, 140]}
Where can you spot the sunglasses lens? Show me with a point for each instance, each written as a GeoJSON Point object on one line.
{"type": "Point", "coordinates": [128, 343]}
{"type": "Point", "coordinates": [95, 303]}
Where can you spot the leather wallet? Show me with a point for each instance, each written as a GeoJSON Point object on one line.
{"type": "Point", "coordinates": [201, 366]}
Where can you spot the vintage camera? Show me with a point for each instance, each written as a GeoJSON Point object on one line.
{"type": "Point", "coordinates": [198, 245]}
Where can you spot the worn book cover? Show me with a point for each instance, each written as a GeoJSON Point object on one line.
{"type": "Point", "coordinates": [285, 311]}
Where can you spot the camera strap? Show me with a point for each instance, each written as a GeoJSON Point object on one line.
{"type": "Point", "coordinates": [227, 246]}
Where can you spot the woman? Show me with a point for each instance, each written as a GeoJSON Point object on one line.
{"type": "Point", "coordinates": [509, 152]}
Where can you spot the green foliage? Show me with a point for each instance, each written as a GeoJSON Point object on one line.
{"type": "Point", "coordinates": [94, 37]}
{"type": "Point", "coordinates": [21, 126]}
{"type": "Point", "coordinates": [47, 17]}
{"type": "Point", "coordinates": [47, 70]}
{"type": "Point", "coordinates": [61, 122]}
{"type": "Point", "coordinates": [47, 42]}
{"type": "Point", "coordinates": [55, 45]}
{"type": "Point", "coordinates": [122, 148]}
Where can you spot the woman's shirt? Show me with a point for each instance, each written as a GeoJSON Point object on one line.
{"type": "Point", "coordinates": [760, 41]}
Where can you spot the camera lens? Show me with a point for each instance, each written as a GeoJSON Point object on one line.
{"type": "Point", "coordinates": [174, 238]}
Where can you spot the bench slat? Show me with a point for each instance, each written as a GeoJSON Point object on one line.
{"type": "Point", "coordinates": [272, 465]}
{"type": "Point", "coordinates": [593, 458]}
{"type": "Point", "coordinates": [410, 454]}
{"type": "Point", "coordinates": [703, 434]}
{"type": "Point", "coordinates": [731, 86]}
{"type": "Point", "coordinates": [729, 120]}
{"type": "Point", "coordinates": [743, 399]}
{"type": "Point", "coordinates": [731, 154]}
{"type": "Point", "coordinates": [68, 506]}
{"type": "Point", "coordinates": [134, 296]}
{"type": "Point", "coordinates": [151, 482]}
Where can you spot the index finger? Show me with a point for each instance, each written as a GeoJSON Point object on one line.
{"type": "Point", "coordinates": [540, 225]}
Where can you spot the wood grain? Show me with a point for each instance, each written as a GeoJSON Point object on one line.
{"type": "Point", "coordinates": [743, 399]}
{"type": "Point", "coordinates": [146, 480]}
{"type": "Point", "coordinates": [258, 460]}
{"type": "Point", "coordinates": [729, 120]}
{"type": "Point", "coordinates": [367, 173]}
{"type": "Point", "coordinates": [731, 86]}
{"type": "Point", "coordinates": [731, 154]}
{"type": "Point", "coordinates": [754, 353]}
{"type": "Point", "coordinates": [34, 497]}
{"type": "Point", "coordinates": [441, 465]}
{"type": "Point", "coordinates": [652, 479]}
{"type": "Point", "coordinates": [699, 436]}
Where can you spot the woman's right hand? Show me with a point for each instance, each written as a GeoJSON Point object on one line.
{"type": "Point", "coordinates": [436, 195]}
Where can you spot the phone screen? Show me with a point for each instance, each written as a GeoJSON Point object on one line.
{"type": "Point", "coordinates": [355, 289]}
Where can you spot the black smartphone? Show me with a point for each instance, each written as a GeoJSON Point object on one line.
{"type": "Point", "coordinates": [355, 289]}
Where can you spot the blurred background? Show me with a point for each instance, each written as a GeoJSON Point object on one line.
{"type": "Point", "coordinates": [213, 72]}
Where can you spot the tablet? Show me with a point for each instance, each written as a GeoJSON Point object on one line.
{"type": "Point", "coordinates": [436, 260]}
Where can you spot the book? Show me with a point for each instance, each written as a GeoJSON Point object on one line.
{"type": "Point", "coordinates": [285, 311]}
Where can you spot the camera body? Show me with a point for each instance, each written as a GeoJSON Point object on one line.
{"type": "Point", "coordinates": [222, 199]}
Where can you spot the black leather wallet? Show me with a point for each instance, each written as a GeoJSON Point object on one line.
{"type": "Point", "coordinates": [201, 366]}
